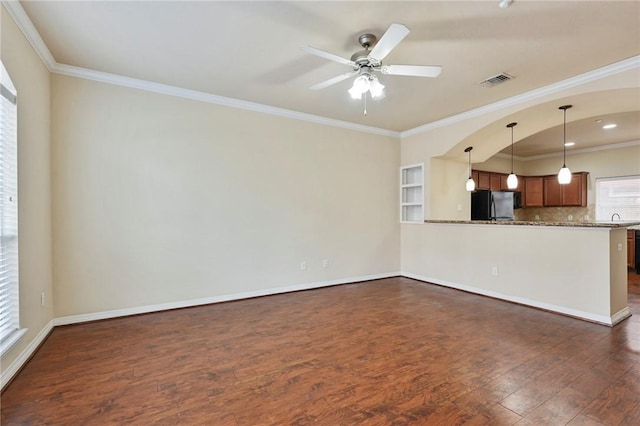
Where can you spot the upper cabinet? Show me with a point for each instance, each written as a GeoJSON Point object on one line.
{"type": "Point", "coordinates": [533, 190]}
{"type": "Point", "coordinates": [572, 194]}
{"type": "Point", "coordinates": [539, 191]}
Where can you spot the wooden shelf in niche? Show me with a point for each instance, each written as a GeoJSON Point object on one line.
{"type": "Point", "coordinates": [412, 193]}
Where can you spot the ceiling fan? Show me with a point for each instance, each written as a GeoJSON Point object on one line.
{"type": "Point", "coordinates": [365, 63]}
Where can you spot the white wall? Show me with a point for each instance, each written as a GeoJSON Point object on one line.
{"type": "Point", "coordinates": [31, 79]}
{"type": "Point", "coordinates": [160, 199]}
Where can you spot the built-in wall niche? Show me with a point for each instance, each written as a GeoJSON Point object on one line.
{"type": "Point", "coordinates": [412, 193]}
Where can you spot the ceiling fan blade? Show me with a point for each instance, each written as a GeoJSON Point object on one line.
{"type": "Point", "coordinates": [326, 55]}
{"type": "Point", "coordinates": [390, 39]}
{"type": "Point", "coordinates": [412, 70]}
{"type": "Point", "coordinates": [332, 81]}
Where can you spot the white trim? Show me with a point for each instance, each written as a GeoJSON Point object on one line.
{"type": "Point", "coordinates": [24, 356]}
{"type": "Point", "coordinates": [621, 315]}
{"type": "Point", "coordinates": [600, 319]}
{"type": "Point", "coordinates": [572, 151]}
{"type": "Point", "coordinates": [11, 340]}
{"type": "Point", "coordinates": [73, 319]}
{"type": "Point", "coordinates": [165, 89]}
{"type": "Point", "coordinates": [26, 26]}
{"type": "Point", "coordinates": [23, 22]}
{"type": "Point", "coordinates": [587, 77]}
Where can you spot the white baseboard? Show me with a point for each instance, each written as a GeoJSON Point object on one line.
{"type": "Point", "coordinates": [74, 319]}
{"type": "Point", "coordinates": [600, 319]}
{"type": "Point", "coordinates": [24, 356]}
{"type": "Point", "coordinates": [621, 315]}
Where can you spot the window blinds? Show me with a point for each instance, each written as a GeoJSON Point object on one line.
{"type": "Point", "coordinates": [619, 195]}
{"type": "Point", "coordinates": [9, 315]}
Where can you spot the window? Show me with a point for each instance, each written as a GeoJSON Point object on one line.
{"type": "Point", "coordinates": [619, 195]}
{"type": "Point", "coordinates": [9, 315]}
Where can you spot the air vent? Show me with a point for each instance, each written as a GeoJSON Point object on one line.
{"type": "Point", "coordinates": [496, 79]}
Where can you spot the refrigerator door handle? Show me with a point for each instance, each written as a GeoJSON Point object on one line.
{"type": "Point", "coordinates": [492, 212]}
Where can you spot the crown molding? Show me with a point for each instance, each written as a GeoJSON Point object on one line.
{"type": "Point", "coordinates": [25, 25]}
{"type": "Point", "coordinates": [597, 74]}
{"type": "Point", "coordinates": [571, 152]}
{"type": "Point", "coordinates": [165, 89]}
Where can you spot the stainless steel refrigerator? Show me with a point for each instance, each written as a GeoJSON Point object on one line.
{"type": "Point", "coordinates": [491, 205]}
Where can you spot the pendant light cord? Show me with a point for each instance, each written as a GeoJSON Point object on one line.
{"type": "Point", "coordinates": [564, 139]}
{"type": "Point", "coordinates": [511, 149]}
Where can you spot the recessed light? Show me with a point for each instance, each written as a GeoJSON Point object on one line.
{"type": "Point", "coordinates": [599, 120]}
{"type": "Point", "coordinates": [505, 3]}
{"type": "Point", "coordinates": [569, 144]}
{"type": "Point", "coordinates": [609, 126]}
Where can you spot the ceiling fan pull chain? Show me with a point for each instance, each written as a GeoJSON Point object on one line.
{"type": "Point", "coordinates": [365, 103]}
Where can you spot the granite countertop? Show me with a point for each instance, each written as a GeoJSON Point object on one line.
{"type": "Point", "coordinates": [622, 224]}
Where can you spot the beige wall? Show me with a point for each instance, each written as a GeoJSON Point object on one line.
{"type": "Point", "coordinates": [567, 270]}
{"type": "Point", "coordinates": [623, 160]}
{"type": "Point", "coordinates": [32, 83]}
{"type": "Point", "coordinates": [159, 199]}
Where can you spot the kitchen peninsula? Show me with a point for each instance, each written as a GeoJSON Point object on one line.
{"type": "Point", "coordinates": [573, 268]}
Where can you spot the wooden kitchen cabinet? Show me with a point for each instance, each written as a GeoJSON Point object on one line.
{"type": "Point", "coordinates": [552, 192]}
{"type": "Point", "coordinates": [631, 249]}
{"type": "Point", "coordinates": [494, 182]}
{"type": "Point", "coordinates": [503, 183]}
{"type": "Point", "coordinates": [573, 194]}
{"type": "Point", "coordinates": [533, 194]}
{"type": "Point", "coordinates": [484, 180]}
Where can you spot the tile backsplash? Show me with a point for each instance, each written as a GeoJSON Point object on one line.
{"type": "Point", "coordinates": [556, 214]}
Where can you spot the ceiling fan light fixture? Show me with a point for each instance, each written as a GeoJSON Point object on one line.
{"type": "Point", "coordinates": [376, 88]}
{"type": "Point", "coordinates": [355, 94]}
{"type": "Point", "coordinates": [361, 84]}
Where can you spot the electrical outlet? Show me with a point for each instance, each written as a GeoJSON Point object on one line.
{"type": "Point", "coordinates": [494, 271]}
{"type": "Point", "coordinates": [42, 299]}
{"type": "Point", "coordinates": [325, 263]}
{"type": "Point", "coordinates": [570, 217]}
{"type": "Point", "coordinates": [619, 246]}
{"type": "Point", "coordinates": [303, 265]}
{"type": "Point", "coordinates": [537, 217]}
{"type": "Point", "coordinates": [459, 207]}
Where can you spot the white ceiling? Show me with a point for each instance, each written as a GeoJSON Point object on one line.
{"type": "Point", "coordinates": [251, 51]}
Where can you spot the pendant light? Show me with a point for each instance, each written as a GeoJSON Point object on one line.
{"type": "Point", "coordinates": [512, 179]}
{"type": "Point", "coordinates": [471, 184]}
{"type": "Point", "coordinates": [564, 175]}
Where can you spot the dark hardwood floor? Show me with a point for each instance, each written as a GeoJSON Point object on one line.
{"type": "Point", "coordinates": [388, 352]}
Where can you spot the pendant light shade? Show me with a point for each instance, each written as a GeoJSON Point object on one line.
{"type": "Point", "coordinates": [512, 179]}
{"type": "Point", "coordinates": [564, 175]}
{"type": "Point", "coordinates": [471, 184]}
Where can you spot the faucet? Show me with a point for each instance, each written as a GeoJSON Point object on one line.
{"type": "Point", "coordinates": [615, 214]}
